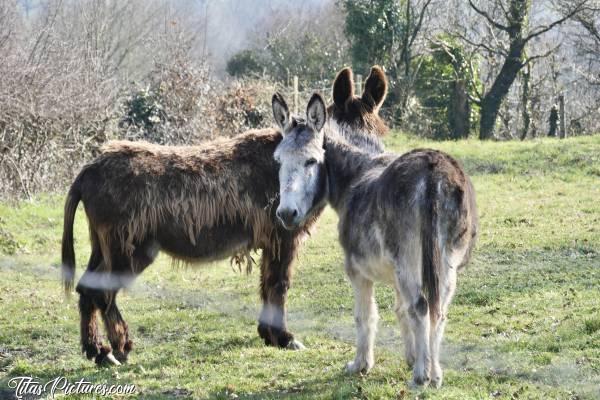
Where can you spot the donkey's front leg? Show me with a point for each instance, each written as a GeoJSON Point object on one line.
{"type": "Point", "coordinates": [276, 271]}
{"type": "Point", "coordinates": [366, 317]}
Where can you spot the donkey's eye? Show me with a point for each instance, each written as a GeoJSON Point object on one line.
{"type": "Point", "coordinates": [310, 162]}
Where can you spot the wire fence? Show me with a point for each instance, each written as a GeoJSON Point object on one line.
{"type": "Point", "coordinates": [299, 92]}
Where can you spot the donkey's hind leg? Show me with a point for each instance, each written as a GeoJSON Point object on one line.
{"type": "Point", "coordinates": [90, 340]}
{"type": "Point", "coordinates": [126, 268]}
{"type": "Point", "coordinates": [90, 343]}
{"type": "Point", "coordinates": [116, 327]}
{"type": "Point", "coordinates": [410, 287]}
{"type": "Point", "coordinates": [91, 300]}
{"type": "Point", "coordinates": [276, 271]}
{"type": "Point", "coordinates": [447, 287]}
{"type": "Point", "coordinates": [407, 334]}
{"type": "Point", "coordinates": [366, 317]}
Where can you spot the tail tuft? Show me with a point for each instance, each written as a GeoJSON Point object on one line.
{"type": "Point", "coordinates": [68, 252]}
{"type": "Point", "coordinates": [431, 250]}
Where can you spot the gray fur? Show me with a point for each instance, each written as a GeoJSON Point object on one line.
{"type": "Point", "coordinates": [409, 221]}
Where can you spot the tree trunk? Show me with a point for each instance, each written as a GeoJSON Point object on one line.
{"type": "Point", "coordinates": [553, 121]}
{"type": "Point", "coordinates": [492, 100]}
{"type": "Point", "coordinates": [525, 103]}
{"type": "Point", "coordinates": [562, 119]}
{"type": "Point", "coordinates": [405, 56]}
{"type": "Point", "coordinates": [459, 114]}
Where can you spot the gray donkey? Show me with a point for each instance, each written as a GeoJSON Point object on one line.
{"type": "Point", "coordinates": [408, 220]}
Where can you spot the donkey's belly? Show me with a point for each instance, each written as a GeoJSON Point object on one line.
{"type": "Point", "coordinates": [215, 243]}
{"type": "Point", "coordinates": [366, 248]}
{"type": "Point", "coordinates": [376, 269]}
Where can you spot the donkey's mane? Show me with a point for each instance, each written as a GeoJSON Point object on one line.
{"type": "Point", "coordinates": [347, 133]}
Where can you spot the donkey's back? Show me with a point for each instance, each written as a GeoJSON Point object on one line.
{"type": "Point", "coordinates": [208, 183]}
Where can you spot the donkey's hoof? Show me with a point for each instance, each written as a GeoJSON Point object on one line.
{"type": "Point", "coordinates": [265, 333]}
{"type": "Point", "coordinates": [106, 357]}
{"type": "Point", "coordinates": [358, 367]}
{"type": "Point", "coordinates": [437, 376]}
{"type": "Point", "coordinates": [419, 381]}
{"type": "Point", "coordinates": [295, 345]}
{"type": "Point", "coordinates": [121, 357]}
{"type": "Point", "coordinates": [111, 359]}
{"type": "Point", "coordinates": [91, 351]}
{"type": "Point", "coordinates": [410, 358]}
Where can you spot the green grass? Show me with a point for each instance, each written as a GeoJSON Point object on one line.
{"type": "Point", "coordinates": [525, 322]}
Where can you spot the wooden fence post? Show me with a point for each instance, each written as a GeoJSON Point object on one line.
{"type": "Point", "coordinates": [563, 127]}
{"type": "Point", "coordinates": [296, 94]}
{"type": "Point", "coordinates": [358, 84]}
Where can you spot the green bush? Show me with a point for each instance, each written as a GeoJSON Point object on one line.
{"type": "Point", "coordinates": [249, 62]}
{"type": "Point", "coordinates": [443, 89]}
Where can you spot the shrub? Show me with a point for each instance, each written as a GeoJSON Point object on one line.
{"type": "Point", "coordinates": [182, 104]}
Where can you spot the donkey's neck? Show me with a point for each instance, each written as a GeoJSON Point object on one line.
{"type": "Point", "coordinates": [346, 165]}
{"type": "Point", "coordinates": [363, 139]}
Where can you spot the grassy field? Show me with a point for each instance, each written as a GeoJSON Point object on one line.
{"type": "Point", "coordinates": [525, 322]}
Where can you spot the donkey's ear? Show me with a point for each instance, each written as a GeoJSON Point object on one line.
{"type": "Point", "coordinates": [316, 113]}
{"type": "Point", "coordinates": [280, 110]}
{"type": "Point", "coordinates": [375, 88]}
{"type": "Point", "coordinates": [343, 87]}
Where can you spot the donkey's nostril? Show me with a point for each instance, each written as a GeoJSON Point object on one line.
{"type": "Point", "coordinates": [287, 216]}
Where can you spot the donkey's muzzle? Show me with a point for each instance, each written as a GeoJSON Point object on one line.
{"type": "Point", "coordinates": [288, 217]}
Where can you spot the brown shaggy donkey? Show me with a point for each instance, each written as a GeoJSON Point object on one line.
{"type": "Point", "coordinates": [199, 203]}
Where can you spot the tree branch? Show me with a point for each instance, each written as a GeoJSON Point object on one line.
{"type": "Point", "coordinates": [488, 17]}
{"type": "Point", "coordinates": [589, 26]}
{"type": "Point", "coordinates": [419, 23]}
{"type": "Point", "coordinates": [481, 45]}
{"type": "Point", "coordinates": [529, 60]}
{"type": "Point", "coordinates": [543, 29]}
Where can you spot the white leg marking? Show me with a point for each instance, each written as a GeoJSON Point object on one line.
{"type": "Point", "coordinates": [110, 358]}
{"type": "Point", "coordinates": [295, 345]}
{"type": "Point", "coordinates": [366, 317]}
{"type": "Point", "coordinates": [420, 325]}
{"type": "Point", "coordinates": [407, 335]}
{"type": "Point", "coordinates": [448, 286]}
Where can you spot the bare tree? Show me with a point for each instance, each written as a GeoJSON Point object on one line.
{"type": "Point", "coordinates": [416, 12]}
{"type": "Point", "coordinates": [585, 64]}
{"type": "Point", "coordinates": [8, 17]}
{"type": "Point", "coordinates": [509, 21]}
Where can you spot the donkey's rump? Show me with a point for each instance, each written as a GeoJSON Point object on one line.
{"type": "Point", "coordinates": [414, 180]}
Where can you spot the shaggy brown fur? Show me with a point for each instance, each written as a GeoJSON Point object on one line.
{"type": "Point", "coordinates": [196, 203]}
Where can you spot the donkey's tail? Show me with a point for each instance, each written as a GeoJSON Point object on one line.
{"type": "Point", "coordinates": [68, 253]}
{"type": "Point", "coordinates": [431, 249]}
